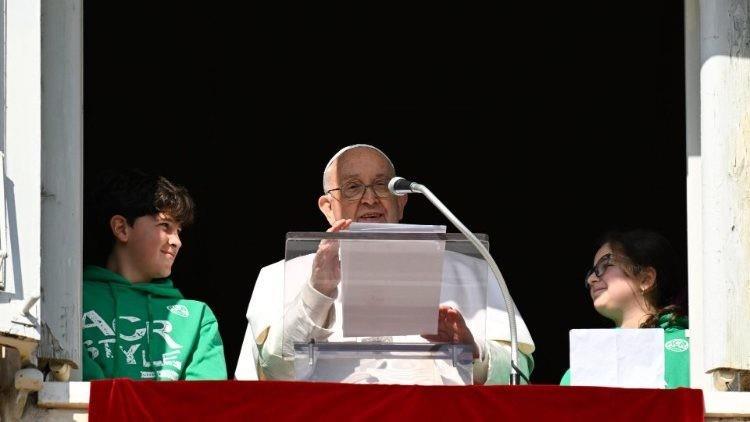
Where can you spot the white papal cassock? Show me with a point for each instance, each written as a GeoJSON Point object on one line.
{"type": "Point", "coordinates": [314, 315]}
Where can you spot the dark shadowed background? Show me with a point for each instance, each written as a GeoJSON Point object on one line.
{"type": "Point", "coordinates": [541, 125]}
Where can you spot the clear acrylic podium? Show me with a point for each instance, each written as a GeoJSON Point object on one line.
{"type": "Point", "coordinates": [387, 284]}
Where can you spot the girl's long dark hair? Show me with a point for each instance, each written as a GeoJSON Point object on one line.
{"type": "Point", "coordinates": [646, 248]}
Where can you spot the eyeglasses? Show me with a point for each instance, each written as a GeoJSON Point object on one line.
{"type": "Point", "coordinates": [599, 268]}
{"type": "Point", "coordinates": [354, 191]}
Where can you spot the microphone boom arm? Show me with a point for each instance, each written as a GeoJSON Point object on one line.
{"type": "Point", "coordinates": [515, 376]}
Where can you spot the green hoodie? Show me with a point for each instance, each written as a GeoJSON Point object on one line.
{"type": "Point", "coordinates": [147, 331]}
{"type": "Point", "coordinates": [676, 353]}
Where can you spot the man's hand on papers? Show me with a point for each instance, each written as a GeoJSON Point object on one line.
{"type": "Point", "coordinates": [326, 272]}
{"type": "Point", "coordinates": [452, 329]}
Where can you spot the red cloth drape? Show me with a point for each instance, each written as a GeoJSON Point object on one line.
{"type": "Point", "coordinates": [126, 400]}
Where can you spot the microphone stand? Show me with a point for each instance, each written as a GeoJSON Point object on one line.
{"type": "Point", "coordinates": [515, 376]}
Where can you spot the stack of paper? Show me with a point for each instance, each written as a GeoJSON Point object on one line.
{"type": "Point", "coordinates": [617, 357]}
{"type": "Point", "coordinates": [391, 287]}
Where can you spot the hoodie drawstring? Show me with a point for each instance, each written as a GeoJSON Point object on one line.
{"type": "Point", "coordinates": [148, 333]}
{"type": "Point", "coordinates": [114, 327]}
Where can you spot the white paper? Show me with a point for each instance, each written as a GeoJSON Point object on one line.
{"type": "Point", "coordinates": [391, 287]}
{"type": "Point", "coordinates": [395, 228]}
{"type": "Point", "coordinates": [593, 357]}
{"type": "Point", "coordinates": [617, 357]}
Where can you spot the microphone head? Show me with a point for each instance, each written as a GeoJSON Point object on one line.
{"type": "Point", "coordinates": [399, 186]}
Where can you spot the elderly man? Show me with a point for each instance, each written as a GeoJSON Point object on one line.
{"type": "Point", "coordinates": [355, 183]}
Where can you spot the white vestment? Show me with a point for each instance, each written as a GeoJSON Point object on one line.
{"type": "Point", "coordinates": [311, 314]}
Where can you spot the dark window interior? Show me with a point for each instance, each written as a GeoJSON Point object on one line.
{"type": "Point", "coordinates": [542, 125]}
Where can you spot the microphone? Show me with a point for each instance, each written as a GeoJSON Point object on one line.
{"type": "Point", "coordinates": [399, 187]}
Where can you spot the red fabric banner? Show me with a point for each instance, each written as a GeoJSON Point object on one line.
{"type": "Point", "coordinates": [126, 400]}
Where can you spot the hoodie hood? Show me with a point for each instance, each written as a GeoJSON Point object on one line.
{"type": "Point", "coordinates": [160, 287]}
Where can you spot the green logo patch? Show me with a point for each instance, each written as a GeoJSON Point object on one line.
{"type": "Point", "coordinates": [676, 345]}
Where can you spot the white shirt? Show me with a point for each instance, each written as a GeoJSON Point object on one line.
{"type": "Point", "coordinates": [311, 314]}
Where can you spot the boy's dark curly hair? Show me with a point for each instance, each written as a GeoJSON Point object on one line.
{"type": "Point", "coordinates": [132, 193]}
